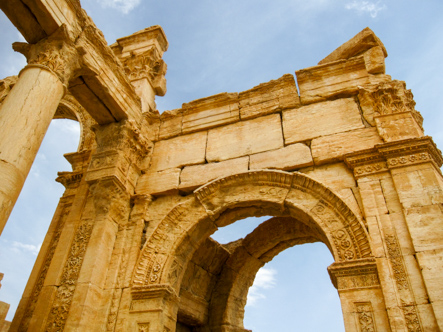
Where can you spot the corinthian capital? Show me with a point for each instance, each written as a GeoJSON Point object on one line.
{"type": "Point", "coordinates": [141, 55]}
{"type": "Point", "coordinates": [56, 53]}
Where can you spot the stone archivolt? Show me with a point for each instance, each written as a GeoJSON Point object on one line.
{"type": "Point", "coordinates": [129, 248]}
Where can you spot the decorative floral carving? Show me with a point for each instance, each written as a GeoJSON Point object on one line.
{"type": "Point", "coordinates": [63, 298]}
{"type": "Point", "coordinates": [397, 263]}
{"type": "Point", "coordinates": [402, 282]}
{"type": "Point", "coordinates": [365, 317]}
{"type": "Point", "coordinates": [51, 60]}
{"type": "Point", "coordinates": [388, 98]}
{"type": "Point", "coordinates": [354, 274]}
{"type": "Point", "coordinates": [30, 307]}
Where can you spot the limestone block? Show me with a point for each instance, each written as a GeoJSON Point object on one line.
{"type": "Point", "coordinates": [398, 126]}
{"type": "Point", "coordinates": [342, 77]}
{"type": "Point", "coordinates": [331, 148]}
{"type": "Point", "coordinates": [269, 97]}
{"type": "Point", "coordinates": [321, 119]}
{"type": "Point", "coordinates": [245, 138]}
{"type": "Point", "coordinates": [425, 224]}
{"type": "Point", "coordinates": [159, 183]}
{"type": "Point", "coordinates": [361, 42]}
{"type": "Point", "coordinates": [375, 60]}
{"type": "Point", "coordinates": [418, 185]}
{"type": "Point", "coordinates": [179, 151]}
{"type": "Point", "coordinates": [288, 158]}
{"type": "Point", "coordinates": [210, 112]}
{"type": "Point", "coordinates": [170, 124]}
{"type": "Point", "coordinates": [194, 176]}
{"type": "Point", "coordinates": [336, 176]}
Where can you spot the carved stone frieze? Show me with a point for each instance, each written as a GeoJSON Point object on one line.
{"type": "Point", "coordinates": [384, 157]}
{"type": "Point", "coordinates": [365, 316]}
{"type": "Point", "coordinates": [356, 274]}
{"type": "Point", "coordinates": [65, 291]}
{"type": "Point", "coordinates": [32, 301]}
{"type": "Point", "coordinates": [402, 282]}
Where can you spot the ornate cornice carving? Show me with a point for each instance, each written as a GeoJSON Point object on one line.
{"type": "Point", "coordinates": [357, 274]}
{"type": "Point", "coordinates": [384, 157]}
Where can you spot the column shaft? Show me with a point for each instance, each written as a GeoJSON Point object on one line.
{"type": "Point", "coordinates": [25, 116]}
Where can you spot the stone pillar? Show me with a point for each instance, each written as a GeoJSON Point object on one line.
{"type": "Point", "coordinates": [391, 183]}
{"type": "Point", "coordinates": [28, 109]}
{"type": "Point", "coordinates": [360, 294]}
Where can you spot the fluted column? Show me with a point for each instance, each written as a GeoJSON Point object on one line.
{"type": "Point", "coordinates": [28, 109]}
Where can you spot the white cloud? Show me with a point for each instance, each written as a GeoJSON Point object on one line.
{"type": "Point", "coordinates": [363, 6]}
{"type": "Point", "coordinates": [125, 6]}
{"type": "Point", "coordinates": [26, 247]}
{"type": "Point", "coordinates": [265, 279]}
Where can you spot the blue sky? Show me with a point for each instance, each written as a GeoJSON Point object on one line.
{"type": "Point", "coordinates": [218, 46]}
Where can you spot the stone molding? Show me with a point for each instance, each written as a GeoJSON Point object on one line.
{"type": "Point", "coordinates": [387, 156]}
{"type": "Point", "coordinates": [356, 274]}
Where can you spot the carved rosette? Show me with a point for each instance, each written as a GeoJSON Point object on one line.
{"type": "Point", "coordinates": [387, 98]}
{"type": "Point", "coordinates": [384, 157]}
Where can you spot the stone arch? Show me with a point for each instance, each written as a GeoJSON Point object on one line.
{"type": "Point", "coordinates": [70, 108]}
{"type": "Point", "coordinates": [166, 253]}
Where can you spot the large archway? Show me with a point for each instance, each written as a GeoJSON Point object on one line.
{"type": "Point", "coordinates": [309, 210]}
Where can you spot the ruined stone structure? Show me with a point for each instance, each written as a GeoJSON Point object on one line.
{"type": "Point", "coordinates": [342, 160]}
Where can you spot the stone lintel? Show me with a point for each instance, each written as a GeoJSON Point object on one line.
{"type": "Point", "coordinates": [361, 42]}
{"type": "Point", "coordinates": [393, 155]}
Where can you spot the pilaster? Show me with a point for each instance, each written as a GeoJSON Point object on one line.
{"type": "Point", "coordinates": [394, 178]}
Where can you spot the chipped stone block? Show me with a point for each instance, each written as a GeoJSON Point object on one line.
{"type": "Point", "coordinates": [425, 224]}
{"type": "Point", "coordinates": [159, 183]}
{"type": "Point", "coordinates": [375, 60]}
{"type": "Point", "coordinates": [321, 119]}
{"type": "Point", "coordinates": [361, 42]}
{"type": "Point", "coordinates": [333, 147]}
{"type": "Point", "coordinates": [288, 158]}
{"type": "Point", "coordinates": [170, 124]}
{"type": "Point", "coordinates": [340, 78]}
{"type": "Point", "coordinates": [210, 112]}
{"type": "Point", "coordinates": [194, 176]}
{"type": "Point", "coordinates": [269, 97]}
{"type": "Point", "coordinates": [395, 127]}
{"type": "Point", "coordinates": [336, 176]}
{"type": "Point", "coordinates": [244, 138]}
{"type": "Point", "coordinates": [179, 151]}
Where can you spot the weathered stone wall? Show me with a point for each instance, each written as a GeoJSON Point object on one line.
{"type": "Point", "coordinates": [342, 160]}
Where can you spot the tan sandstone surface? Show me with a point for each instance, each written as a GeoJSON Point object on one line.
{"type": "Point", "coordinates": [343, 161]}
